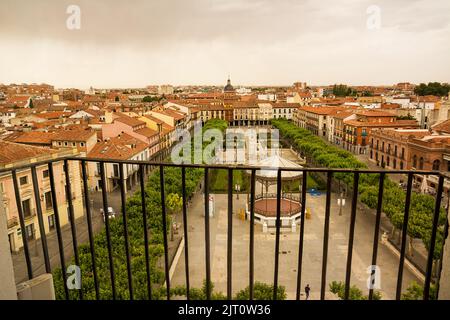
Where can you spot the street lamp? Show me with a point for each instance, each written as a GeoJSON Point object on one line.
{"type": "Point", "coordinates": [237, 188]}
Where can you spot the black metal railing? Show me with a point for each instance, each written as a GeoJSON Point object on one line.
{"type": "Point", "coordinates": [230, 169]}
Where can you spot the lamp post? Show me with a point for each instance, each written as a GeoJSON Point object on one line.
{"type": "Point", "coordinates": [237, 188]}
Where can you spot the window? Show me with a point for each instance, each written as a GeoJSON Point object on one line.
{"type": "Point", "coordinates": [45, 174]}
{"type": "Point", "coordinates": [29, 231]}
{"type": "Point", "coordinates": [26, 208]}
{"type": "Point", "coordinates": [436, 165]}
{"type": "Point", "coordinates": [66, 144]}
{"type": "Point", "coordinates": [23, 180]}
{"type": "Point", "coordinates": [82, 144]}
{"type": "Point", "coordinates": [395, 163]}
{"type": "Point", "coordinates": [74, 144]}
{"type": "Point", "coordinates": [421, 163]}
{"type": "Point", "coordinates": [51, 221]}
{"type": "Point", "coordinates": [415, 161]}
{"type": "Point", "coordinates": [401, 165]}
{"type": "Point", "coordinates": [48, 200]}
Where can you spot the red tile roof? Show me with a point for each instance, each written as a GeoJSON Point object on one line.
{"type": "Point", "coordinates": [122, 147]}
{"type": "Point", "coordinates": [14, 152]}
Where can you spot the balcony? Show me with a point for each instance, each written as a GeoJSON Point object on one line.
{"type": "Point", "coordinates": [12, 222]}
{"type": "Point", "coordinates": [103, 273]}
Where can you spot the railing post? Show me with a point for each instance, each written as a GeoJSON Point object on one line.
{"type": "Point", "coordinates": [8, 291]}
{"type": "Point", "coordinates": [444, 277]}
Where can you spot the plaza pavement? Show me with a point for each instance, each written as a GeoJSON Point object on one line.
{"type": "Point", "coordinates": [289, 243]}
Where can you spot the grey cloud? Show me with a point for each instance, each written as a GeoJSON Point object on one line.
{"type": "Point", "coordinates": [200, 41]}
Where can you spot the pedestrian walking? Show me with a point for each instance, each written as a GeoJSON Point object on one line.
{"type": "Point", "coordinates": [307, 290]}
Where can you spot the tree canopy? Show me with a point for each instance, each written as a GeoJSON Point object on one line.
{"type": "Point", "coordinates": [432, 88]}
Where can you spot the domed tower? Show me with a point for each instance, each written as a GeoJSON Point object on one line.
{"type": "Point", "coordinates": [228, 87]}
{"type": "Point", "coordinates": [229, 97]}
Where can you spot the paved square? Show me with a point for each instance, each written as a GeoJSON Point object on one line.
{"type": "Point", "coordinates": [289, 244]}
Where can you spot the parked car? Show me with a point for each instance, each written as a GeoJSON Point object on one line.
{"type": "Point", "coordinates": [111, 213]}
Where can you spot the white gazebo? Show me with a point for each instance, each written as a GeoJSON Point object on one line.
{"type": "Point", "coordinates": [265, 203]}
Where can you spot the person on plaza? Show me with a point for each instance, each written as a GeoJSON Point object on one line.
{"type": "Point", "coordinates": [307, 290]}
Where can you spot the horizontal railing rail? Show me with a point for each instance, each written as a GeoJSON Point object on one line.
{"type": "Point", "coordinates": [356, 174]}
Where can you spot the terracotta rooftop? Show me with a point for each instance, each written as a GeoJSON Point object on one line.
{"type": "Point", "coordinates": [122, 147]}
{"type": "Point", "coordinates": [147, 132]}
{"type": "Point", "coordinates": [132, 122]}
{"type": "Point", "coordinates": [442, 127]}
{"type": "Point", "coordinates": [321, 110]}
{"type": "Point", "coordinates": [54, 115]}
{"type": "Point", "coordinates": [78, 135]}
{"type": "Point", "coordinates": [343, 114]}
{"type": "Point", "coordinates": [31, 137]}
{"type": "Point", "coordinates": [388, 124]}
{"type": "Point", "coordinates": [156, 120]}
{"type": "Point", "coordinates": [14, 152]}
{"type": "Point", "coordinates": [374, 113]}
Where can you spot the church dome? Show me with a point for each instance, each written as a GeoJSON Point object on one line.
{"type": "Point", "coordinates": [228, 87]}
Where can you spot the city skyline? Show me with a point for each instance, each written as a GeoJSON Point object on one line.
{"type": "Point", "coordinates": [202, 42]}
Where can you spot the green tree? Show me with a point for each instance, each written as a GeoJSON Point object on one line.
{"type": "Point", "coordinates": [261, 291]}
{"type": "Point", "coordinates": [341, 90]}
{"type": "Point", "coordinates": [432, 88]}
{"type": "Point", "coordinates": [338, 288]}
{"type": "Point", "coordinates": [415, 292]}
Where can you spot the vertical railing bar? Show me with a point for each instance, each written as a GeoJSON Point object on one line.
{"type": "Point", "coordinates": [22, 225]}
{"type": "Point", "coordinates": [164, 222]}
{"type": "Point", "coordinates": [207, 238]}
{"type": "Point", "coordinates": [277, 236]}
{"type": "Point", "coordinates": [144, 218]}
{"type": "Point", "coordinates": [377, 227]}
{"type": "Point", "coordinates": [68, 191]}
{"type": "Point", "coordinates": [351, 235]}
{"type": "Point", "coordinates": [51, 177]}
{"type": "Point", "coordinates": [445, 236]}
{"type": "Point", "coordinates": [108, 234]}
{"type": "Point", "coordinates": [185, 226]}
{"type": "Point", "coordinates": [325, 236]}
{"type": "Point", "coordinates": [230, 234]}
{"type": "Point", "coordinates": [404, 234]}
{"type": "Point", "coordinates": [437, 210]}
{"type": "Point", "coordinates": [252, 234]}
{"type": "Point", "coordinates": [302, 231]}
{"type": "Point", "coordinates": [89, 224]}
{"type": "Point", "coordinates": [37, 200]}
{"type": "Point", "coordinates": [123, 199]}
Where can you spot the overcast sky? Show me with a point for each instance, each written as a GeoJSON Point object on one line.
{"type": "Point", "coordinates": [134, 43]}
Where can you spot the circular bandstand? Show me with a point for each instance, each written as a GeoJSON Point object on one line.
{"type": "Point", "coordinates": [266, 203]}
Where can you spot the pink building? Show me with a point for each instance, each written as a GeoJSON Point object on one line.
{"type": "Point", "coordinates": [135, 128]}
